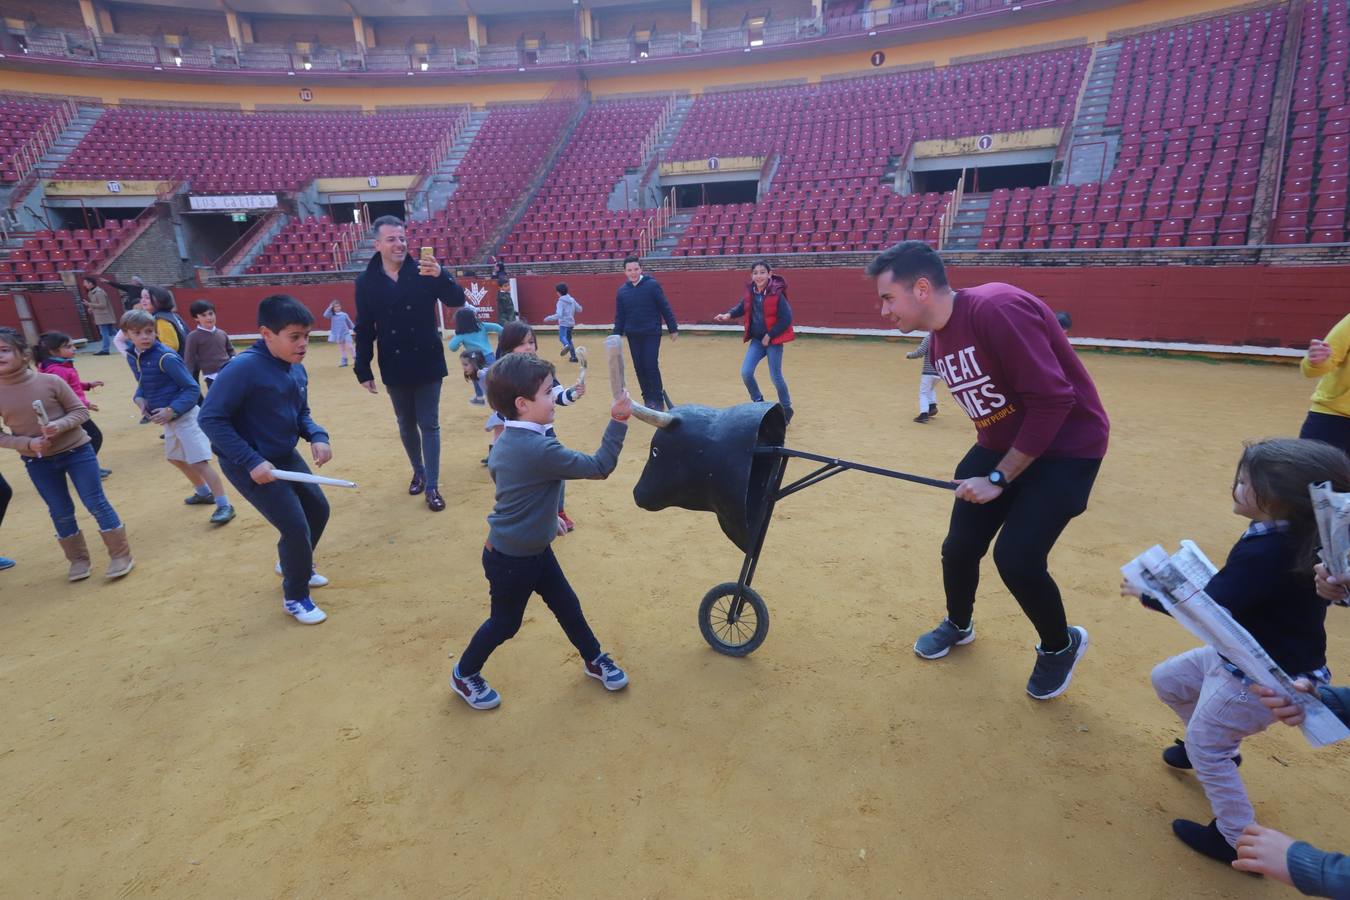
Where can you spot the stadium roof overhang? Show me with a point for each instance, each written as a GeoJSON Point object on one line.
{"type": "Point", "coordinates": [397, 8]}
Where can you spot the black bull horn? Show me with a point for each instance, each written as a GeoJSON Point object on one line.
{"type": "Point", "coordinates": [704, 459]}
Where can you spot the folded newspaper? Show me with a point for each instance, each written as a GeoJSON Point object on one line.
{"type": "Point", "coordinates": [1333, 526]}
{"type": "Point", "coordinates": [1178, 582]}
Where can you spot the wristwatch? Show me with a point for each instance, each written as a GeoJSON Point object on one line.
{"type": "Point", "coordinates": [997, 478]}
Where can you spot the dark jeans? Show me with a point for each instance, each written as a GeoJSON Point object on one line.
{"type": "Point", "coordinates": [511, 581]}
{"type": "Point", "coordinates": [565, 336]}
{"type": "Point", "coordinates": [80, 465]}
{"type": "Point", "coordinates": [1329, 429]}
{"type": "Point", "coordinates": [646, 352]}
{"type": "Point", "coordinates": [1032, 513]}
{"type": "Point", "coordinates": [95, 436]}
{"type": "Point", "coordinates": [108, 332]}
{"type": "Point", "coordinates": [418, 410]}
{"type": "Point", "coordinates": [6, 494]}
{"type": "Point", "coordinates": [298, 511]}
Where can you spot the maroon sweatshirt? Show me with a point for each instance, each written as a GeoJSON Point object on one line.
{"type": "Point", "coordinates": [1008, 364]}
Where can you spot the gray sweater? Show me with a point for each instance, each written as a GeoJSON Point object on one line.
{"type": "Point", "coordinates": [529, 470]}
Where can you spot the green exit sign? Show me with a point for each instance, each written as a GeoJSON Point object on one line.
{"type": "Point", "coordinates": [238, 217]}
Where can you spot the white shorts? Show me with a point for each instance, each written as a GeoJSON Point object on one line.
{"type": "Point", "coordinates": [185, 441]}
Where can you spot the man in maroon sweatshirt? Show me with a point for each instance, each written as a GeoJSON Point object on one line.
{"type": "Point", "coordinates": [1040, 432]}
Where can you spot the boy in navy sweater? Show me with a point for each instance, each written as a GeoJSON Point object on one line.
{"type": "Point", "coordinates": [640, 307]}
{"type": "Point", "coordinates": [167, 395]}
{"type": "Point", "coordinates": [529, 466]}
{"type": "Point", "coordinates": [257, 410]}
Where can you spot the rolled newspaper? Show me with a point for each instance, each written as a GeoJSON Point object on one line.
{"type": "Point", "coordinates": [308, 478]}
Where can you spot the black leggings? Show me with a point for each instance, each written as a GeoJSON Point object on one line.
{"type": "Point", "coordinates": [1329, 429]}
{"type": "Point", "coordinates": [95, 436]}
{"type": "Point", "coordinates": [1031, 512]}
{"type": "Point", "coordinates": [6, 492]}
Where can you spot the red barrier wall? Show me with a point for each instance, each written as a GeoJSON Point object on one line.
{"type": "Point", "coordinates": [1257, 305]}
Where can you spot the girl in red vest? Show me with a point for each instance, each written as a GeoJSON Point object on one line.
{"type": "Point", "coordinates": [768, 326]}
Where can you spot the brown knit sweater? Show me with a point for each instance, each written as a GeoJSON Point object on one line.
{"type": "Point", "coordinates": [18, 390]}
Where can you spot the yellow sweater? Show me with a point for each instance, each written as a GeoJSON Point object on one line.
{"type": "Point", "coordinates": [1332, 396]}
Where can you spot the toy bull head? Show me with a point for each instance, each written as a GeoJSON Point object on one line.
{"type": "Point", "coordinates": [704, 459]}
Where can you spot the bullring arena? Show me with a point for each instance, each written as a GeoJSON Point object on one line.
{"type": "Point", "coordinates": [173, 734]}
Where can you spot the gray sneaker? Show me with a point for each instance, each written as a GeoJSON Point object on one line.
{"type": "Point", "coordinates": [940, 641]}
{"type": "Point", "coordinates": [1053, 671]}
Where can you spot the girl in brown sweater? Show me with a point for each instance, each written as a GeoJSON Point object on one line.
{"type": "Point", "coordinates": [56, 451]}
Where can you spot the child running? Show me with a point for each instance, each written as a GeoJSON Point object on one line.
{"type": "Point", "coordinates": [255, 415]}
{"type": "Point", "coordinates": [340, 328]}
{"type": "Point", "coordinates": [474, 366]}
{"type": "Point", "coordinates": [566, 317]}
{"type": "Point", "coordinates": [167, 394]}
{"type": "Point", "coordinates": [472, 334]}
{"type": "Point", "coordinates": [928, 380]}
{"type": "Point", "coordinates": [768, 326]}
{"type": "Point", "coordinates": [208, 348]}
{"type": "Point", "coordinates": [55, 355]}
{"type": "Point", "coordinates": [529, 468]}
{"type": "Point", "coordinates": [56, 453]}
{"type": "Point", "coordinates": [1267, 586]}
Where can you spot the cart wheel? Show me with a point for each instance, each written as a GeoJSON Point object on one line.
{"type": "Point", "coordinates": [735, 633]}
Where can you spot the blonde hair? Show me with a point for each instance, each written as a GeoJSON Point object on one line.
{"type": "Point", "coordinates": [136, 320]}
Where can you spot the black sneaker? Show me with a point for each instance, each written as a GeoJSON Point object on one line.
{"type": "Point", "coordinates": [1177, 757]}
{"type": "Point", "coordinates": [1206, 839]}
{"type": "Point", "coordinates": [1053, 671]}
{"type": "Point", "coordinates": [199, 500]}
{"type": "Point", "coordinates": [932, 409]}
{"type": "Point", "coordinates": [922, 418]}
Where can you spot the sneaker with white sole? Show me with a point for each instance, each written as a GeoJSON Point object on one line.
{"type": "Point", "coordinates": [475, 690]}
{"type": "Point", "coordinates": [1053, 671]}
{"type": "Point", "coordinates": [305, 612]}
{"type": "Point", "coordinates": [607, 672]}
{"type": "Point", "coordinates": [940, 641]}
{"type": "Point", "coordinates": [315, 579]}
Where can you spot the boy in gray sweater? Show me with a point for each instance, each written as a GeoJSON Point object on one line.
{"type": "Point", "coordinates": [529, 465]}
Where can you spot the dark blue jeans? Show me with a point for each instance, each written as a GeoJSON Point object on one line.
{"type": "Point", "coordinates": [80, 465]}
{"type": "Point", "coordinates": [646, 352]}
{"type": "Point", "coordinates": [1329, 429]}
{"type": "Point", "coordinates": [565, 336]}
{"type": "Point", "coordinates": [418, 410]}
{"type": "Point", "coordinates": [298, 511]}
{"type": "Point", "coordinates": [511, 581]}
{"type": "Point", "coordinates": [108, 332]}
{"type": "Point", "coordinates": [6, 493]}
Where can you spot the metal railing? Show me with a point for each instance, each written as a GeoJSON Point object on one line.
{"type": "Point", "coordinates": [240, 247]}
{"type": "Point", "coordinates": [1290, 59]}
{"type": "Point", "coordinates": [30, 153]}
{"type": "Point", "coordinates": [655, 227]}
{"type": "Point", "coordinates": [949, 214]}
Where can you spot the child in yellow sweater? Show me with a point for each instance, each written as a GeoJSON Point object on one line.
{"type": "Point", "coordinates": [1329, 417]}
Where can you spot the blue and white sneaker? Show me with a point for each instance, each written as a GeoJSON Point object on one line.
{"type": "Point", "coordinates": [315, 579]}
{"type": "Point", "coordinates": [305, 612]}
{"type": "Point", "coordinates": [475, 690]}
{"type": "Point", "coordinates": [1053, 671]}
{"type": "Point", "coordinates": [607, 673]}
{"type": "Point", "coordinates": [6, 563]}
{"type": "Point", "coordinates": [940, 641]}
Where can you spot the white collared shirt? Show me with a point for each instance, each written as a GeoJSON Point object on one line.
{"type": "Point", "coordinates": [528, 426]}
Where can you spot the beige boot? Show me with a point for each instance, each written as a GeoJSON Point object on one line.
{"type": "Point", "coordinates": [77, 551]}
{"type": "Point", "coordinates": [119, 552]}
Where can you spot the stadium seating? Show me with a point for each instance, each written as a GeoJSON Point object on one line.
{"type": "Point", "coordinates": [239, 153]}
{"type": "Point", "coordinates": [569, 218]}
{"type": "Point", "coordinates": [836, 142]}
{"type": "Point", "coordinates": [305, 246]}
{"type": "Point", "coordinates": [19, 123]}
{"type": "Point", "coordinates": [43, 255]}
{"type": "Point", "coordinates": [1192, 106]}
{"type": "Point", "coordinates": [1312, 205]}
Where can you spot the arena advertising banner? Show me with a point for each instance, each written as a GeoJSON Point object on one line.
{"type": "Point", "coordinates": [232, 202]}
{"type": "Point", "coordinates": [988, 143]}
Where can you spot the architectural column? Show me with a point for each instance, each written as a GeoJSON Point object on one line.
{"type": "Point", "coordinates": [475, 35]}
{"type": "Point", "coordinates": [232, 23]}
{"type": "Point", "coordinates": [359, 29]}
{"type": "Point", "coordinates": [698, 14]}
{"type": "Point", "coordinates": [90, 16]}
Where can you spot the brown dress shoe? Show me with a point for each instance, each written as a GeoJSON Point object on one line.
{"type": "Point", "coordinates": [435, 502]}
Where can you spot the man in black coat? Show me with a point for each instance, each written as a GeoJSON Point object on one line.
{"type": "Point", "coordinates": [396, 308]}
{"type": "Point", "coordinates": [131, 293]}
{"type": "Point", "coordinates": [639, 309]}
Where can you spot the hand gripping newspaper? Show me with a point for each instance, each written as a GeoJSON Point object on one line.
{"type": "Point", "coordinates": [1333, 527]}
{"type": "Point", "coordinates": [1178, 582]}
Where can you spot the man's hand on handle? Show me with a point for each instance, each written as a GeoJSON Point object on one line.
{"type": "Point", "coordinates": [977, 490]}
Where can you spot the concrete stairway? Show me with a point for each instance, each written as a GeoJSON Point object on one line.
{"type": "Point", "coordinates": [1092, 147]}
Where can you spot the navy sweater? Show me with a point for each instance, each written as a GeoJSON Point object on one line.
{"type": "Point", "coordinates": [258, 409]}
{"type": "Point", "coordinates": [1279, 606]}
{"type": "Point", "coordinates": [401, 317]}
{"type": "Point", "coordinates": [162, 379]}
{"type": "Point", "coordinates": [640, 308]}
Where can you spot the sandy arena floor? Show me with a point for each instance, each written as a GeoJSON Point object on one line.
{"type": "Point", "coordinates": [175, 735]}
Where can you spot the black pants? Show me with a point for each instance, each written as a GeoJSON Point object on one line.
{"type": "Point", "coordinates": [1031, 512]}
{"type": "Point", "coordinates": [646, 353]}
{"type": "Point", "coordinates": [6, 493]}
{"type": "Point", "coordinates": [511, 581]}
{"type": "Point", "coordinates": [1329, 429]}
{"type": "Point", "coordinates": [298, 511]}
{"type": "Point", "coordinates": [95, 436]}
